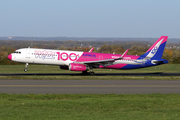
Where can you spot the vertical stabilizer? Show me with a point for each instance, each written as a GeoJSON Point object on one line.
{"type": "Point", "coordinates": [156, 50]}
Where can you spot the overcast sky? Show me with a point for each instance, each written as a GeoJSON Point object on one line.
{"type": "Point", "coordinates": [90, 18]}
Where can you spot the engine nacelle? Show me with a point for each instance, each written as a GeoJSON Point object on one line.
{"type": "Point", "coordinates": [77, 67]}
{"type": "Point", "coordinates": [64, 67]}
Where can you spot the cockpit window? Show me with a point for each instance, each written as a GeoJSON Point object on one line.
{"type": "Point", "coordinates": [17, 52]}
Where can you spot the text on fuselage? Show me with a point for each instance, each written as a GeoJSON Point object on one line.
{"type": "Point", "coordinates": [89, 55]}
{"type": "Point", "coordinates": [44, 54]}
{"type": "Point", "coordinates": [51, 55]}
{"type": "Point", "coordinates": [65, 56]}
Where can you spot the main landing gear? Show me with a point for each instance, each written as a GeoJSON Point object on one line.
{"type": "Point", "coordinates": [91, 73]}
{"type": "Point", "coordinates": [25, 70]}
{"type": "Point", "coordinates": [88, 73]}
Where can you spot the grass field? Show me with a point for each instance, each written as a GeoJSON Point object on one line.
{"type": "Point", "coordinates": [90, 106]}
{"type": "Point", "coordinates": [167, 68]}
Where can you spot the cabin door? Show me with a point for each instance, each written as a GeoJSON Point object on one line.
{"type": "Point", "coordinates": [28, 53]}
{"type": "Point", "coordinates": [100, 57]}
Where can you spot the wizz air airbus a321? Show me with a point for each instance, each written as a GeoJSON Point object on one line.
{"type": "Point", "coordinates": [86, 61]}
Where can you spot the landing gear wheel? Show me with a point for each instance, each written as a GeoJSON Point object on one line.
{"type": "Point", "coordinates": [91, 73]}
{"type": "Point", "coordinates": [25, 70]}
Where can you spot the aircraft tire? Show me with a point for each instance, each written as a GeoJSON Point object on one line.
{"type": "Point", "coordinates": [91, 73]}
{"type": "Point", "coordinates": [25, 70]}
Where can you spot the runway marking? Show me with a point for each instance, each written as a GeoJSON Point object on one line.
{"type": "Point", "coordinates": [140, 86]}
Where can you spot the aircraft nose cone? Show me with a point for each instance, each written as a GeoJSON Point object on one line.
{"type": "Point", "coordinates": [10, 57]}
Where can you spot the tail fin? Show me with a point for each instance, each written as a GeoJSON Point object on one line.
{"type": "Point", "coordinates": [156, 50]}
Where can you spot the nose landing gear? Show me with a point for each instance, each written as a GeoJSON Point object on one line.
{"type": "Point", "coordinates": [25, 70]}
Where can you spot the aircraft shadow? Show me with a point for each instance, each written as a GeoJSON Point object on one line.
{"type": "Point", "coordinates": [96, 74]}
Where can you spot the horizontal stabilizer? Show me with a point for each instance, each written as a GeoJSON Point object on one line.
{"type": "Point", "coordinates": [158, 62]}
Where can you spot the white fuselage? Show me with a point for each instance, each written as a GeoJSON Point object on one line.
{"type": "Point", "coordinates": [45, 56]}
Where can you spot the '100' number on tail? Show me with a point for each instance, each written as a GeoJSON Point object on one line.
{"type": "Point", "coordinates": [154, 50]}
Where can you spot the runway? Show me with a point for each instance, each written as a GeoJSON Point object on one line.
{"type": "Point", "coordinates": [89, 86]}
{"type": "Point", "coordinates": [96, 74]}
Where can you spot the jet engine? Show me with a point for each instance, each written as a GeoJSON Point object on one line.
{"type": "Point", "coordinates": [77, 67]}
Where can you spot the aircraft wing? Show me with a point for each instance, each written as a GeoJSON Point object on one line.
{"type": "Point", "coordinates": [96, 64]}
{"type": "Point", "coordinates": [104, 63]}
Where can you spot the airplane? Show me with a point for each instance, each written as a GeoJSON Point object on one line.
{"type": "Point", "coordinates": [86, 61]}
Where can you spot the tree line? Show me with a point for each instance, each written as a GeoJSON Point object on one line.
{"type": "Point", "coordinates": [171, 52]}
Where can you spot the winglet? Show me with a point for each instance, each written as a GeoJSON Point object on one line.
{"type": "Point", "coordinates": [122, 55]}
{"type": "Point", "coordinates": [91, 49]}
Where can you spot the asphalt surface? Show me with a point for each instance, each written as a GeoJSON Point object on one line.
{"type": "Point", "coordinates": [90, 86]}
{"type": "Point", "coordinates": [97, 74]}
